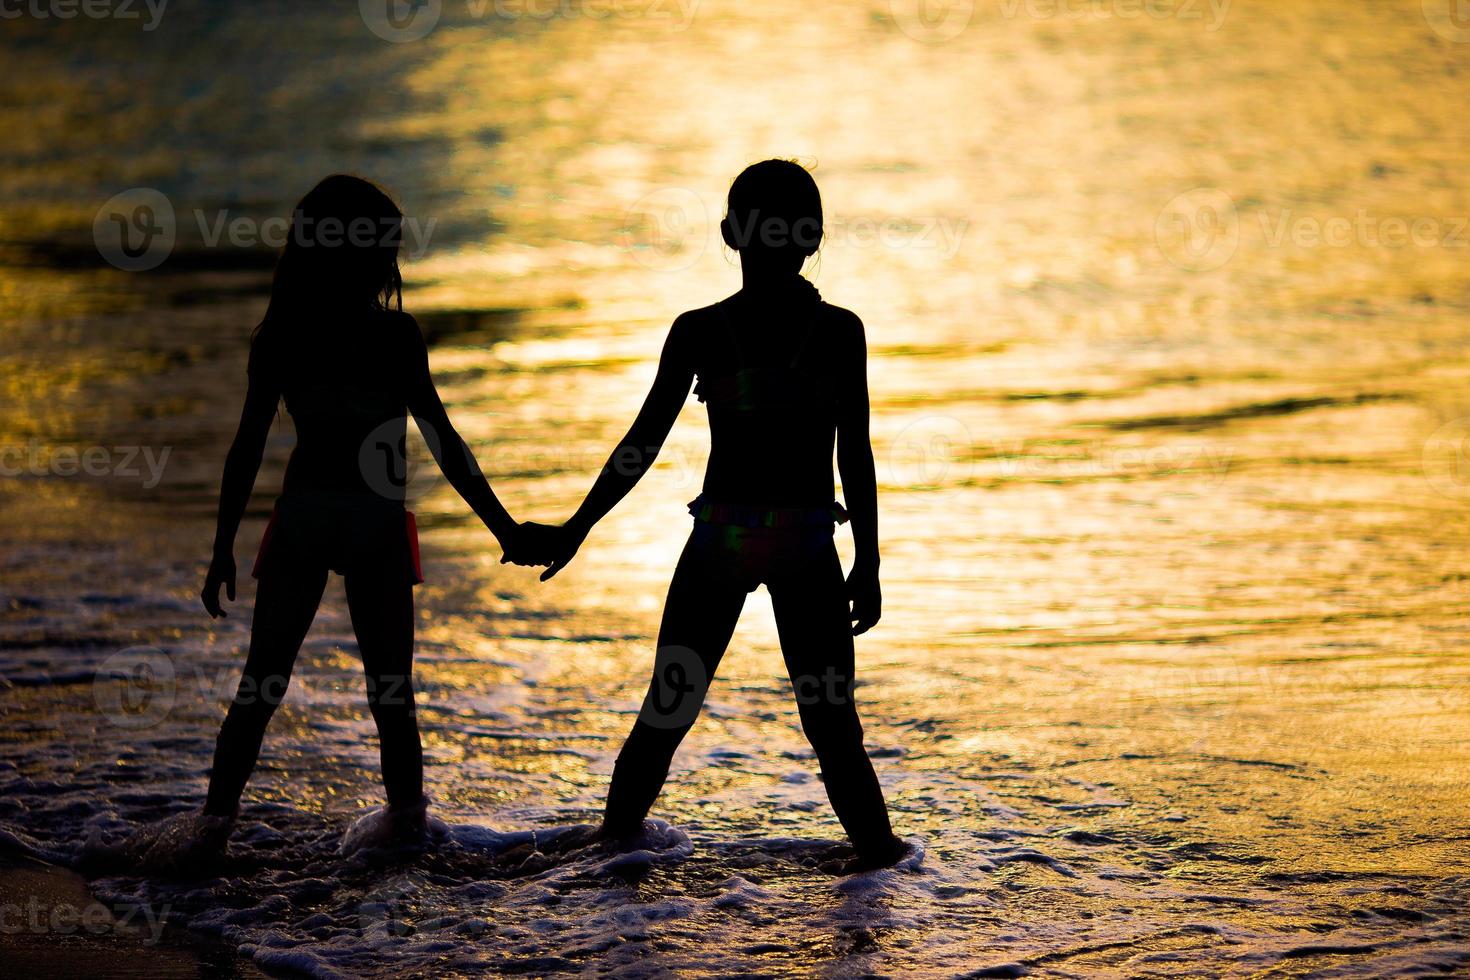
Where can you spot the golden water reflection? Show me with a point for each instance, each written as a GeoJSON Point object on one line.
{"type": "Point", "coordinates": [1172, 550]}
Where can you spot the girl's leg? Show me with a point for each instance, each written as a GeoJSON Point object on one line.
{"type": "Point", "coordinates": [285, 604]}
{"type": "Point", "coordinates": [812, 616]}
{"type": "Point", "coordinates": [381, 605]}
{"type": "Point", "coordinates": [699, 619]}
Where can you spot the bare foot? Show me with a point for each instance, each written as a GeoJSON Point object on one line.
{"type": "Point", "coordinates": [409, 822]}
{"type": "Point", "coordinates": [885, 857]}
{"type": "Point", "coordinates": [573, 838]}
{"type": "Point", "coordinates": [392, 827]}
{"type": "Point", "coordinates": [185, 843]}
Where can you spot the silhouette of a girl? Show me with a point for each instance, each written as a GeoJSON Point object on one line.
{"type": "Point", "coordinates": [350, 368]}
{"type": "Point", "coordinates": [784, 376]}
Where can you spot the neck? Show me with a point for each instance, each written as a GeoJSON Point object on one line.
{"type": "Point", "coordinates": [763, 282]}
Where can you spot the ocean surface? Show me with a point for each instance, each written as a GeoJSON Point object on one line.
{"type": "Point", "coordinates": [1167, 307]}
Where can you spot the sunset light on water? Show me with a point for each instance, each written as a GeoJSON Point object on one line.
{"type": "Point", "coordinates": [1166, 308]}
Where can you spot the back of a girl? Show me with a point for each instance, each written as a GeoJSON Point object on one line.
{"type": "Point", "coordinates": [350, 367]}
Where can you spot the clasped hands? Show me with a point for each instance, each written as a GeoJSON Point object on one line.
{"type": "Point", "coordinates": [535, 544]}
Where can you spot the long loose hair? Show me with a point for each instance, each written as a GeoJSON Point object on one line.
{"type": "Point", "coordinates": [341, 254]}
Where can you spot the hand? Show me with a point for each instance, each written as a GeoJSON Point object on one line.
{"type": "Point", "coordinates": [866, 595]}
{"type": "Point", "coordinates": [526, 544]}
{"type": "Point", "coordinates": [569, 543]}
{"type": "Point", "coordinates": [221, 572]}
{"type": "Point", "coordinates": [535, 544]}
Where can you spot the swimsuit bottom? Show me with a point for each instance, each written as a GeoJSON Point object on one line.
{"type": "Point", "coordinates": [348, 533]}
{"type": "Point", "coordinates": [752, 546]}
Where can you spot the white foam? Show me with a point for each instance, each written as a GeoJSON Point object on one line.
{"type": "Point", "coordinates": [186, 843]}
{"type": "Point", "coordinates": [660, 843]}
{"type": "Point", "coordinates": [380, 829]}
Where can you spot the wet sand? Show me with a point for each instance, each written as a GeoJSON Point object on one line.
{"type": "Point", "coordinates": [55, 927]}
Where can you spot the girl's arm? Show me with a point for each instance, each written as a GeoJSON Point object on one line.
{"type": "Point", "coordinates": [859, 476]}
{"type": "Point", "coordinates": [241, 467]}
{"type": "Point", "coordinates": [637, 450]}
{"type": "Point", "coordinates": [450, 452]}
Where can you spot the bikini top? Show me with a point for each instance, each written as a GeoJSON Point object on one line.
{"type": "Point", "coordinates": [343, 403]}
{"type": "Point", "coordinates": [764, 388]}
{"type": "Point", "coordinates": [336, 380]}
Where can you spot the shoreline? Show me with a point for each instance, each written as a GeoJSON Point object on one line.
{"type": "Point", "coordinates": [52, 925]}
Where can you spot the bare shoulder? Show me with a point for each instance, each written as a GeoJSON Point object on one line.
{"type": "Point", "coordinates": [403, 324]}
{"type": "Point", "coordinates": [691, 320]}
{"type": "Point", "coordinates": [404, 334]}
{"type": "Point", "coordinates": [844, 328]}
{"type": "Point", "coordinates": [689, 330]}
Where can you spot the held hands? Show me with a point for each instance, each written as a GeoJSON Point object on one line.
{"type": "Point", "coordinates": [866, 595]}
{"type": "Point", "coordinates": [529, 544]}
{"type": "Point", "coordinates": [543, 544]}
{"type": "Point", "coordinates": [221, 573]}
